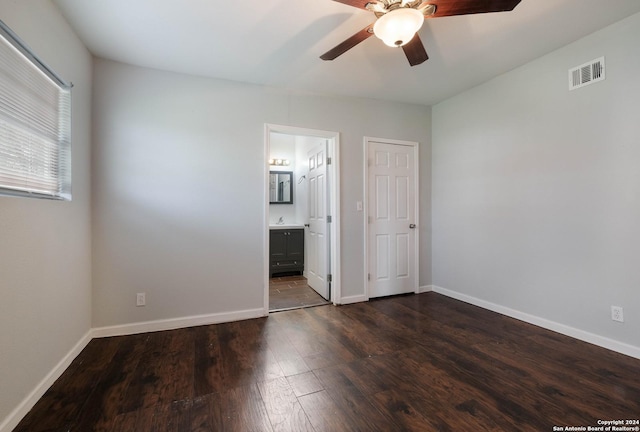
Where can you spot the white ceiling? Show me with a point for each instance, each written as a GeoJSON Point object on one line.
{"type": "Point", "coordinates": [278, 42]}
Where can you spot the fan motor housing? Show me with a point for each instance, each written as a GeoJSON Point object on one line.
{"type": "Point", "coordinates": [380, 8]}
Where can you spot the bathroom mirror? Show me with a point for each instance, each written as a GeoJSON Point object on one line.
{"type": "Point", "coordinates": [280, 187]}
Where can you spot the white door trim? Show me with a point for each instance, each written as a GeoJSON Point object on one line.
{"type": "Point", "coordinates": [333, 170]}
{"type": "Point", "coordinates": [416, 149]}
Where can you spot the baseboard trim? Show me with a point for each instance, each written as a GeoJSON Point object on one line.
{"type": "Point", "coordinates": [424, 289]}
{"type": "Point", "coordinates": [582, 335]}
{"type": "Point", "coordinates": [353, 299]}
{"type": "Point", "coordinates": [176, 323]}
{"type": "Point", "coordinates": [32, 398]}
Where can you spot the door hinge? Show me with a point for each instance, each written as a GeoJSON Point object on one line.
{"type": "Point", "coordinates": [328, 218]}
{"type": "Point", "coordinates": [328, 161]}
{"type": "Point", "coordinates": [329, 278]}
{"type": "Point", "coordinates": [368, 276]}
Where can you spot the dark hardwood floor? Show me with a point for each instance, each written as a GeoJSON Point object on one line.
{"type": "Point", "coordinates": [292, 292]}
{"type": "Point", "coordinates": [421, 363]}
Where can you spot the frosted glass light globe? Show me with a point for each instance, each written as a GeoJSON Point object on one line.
{"type": "Point", "coordinates": [397, 28]}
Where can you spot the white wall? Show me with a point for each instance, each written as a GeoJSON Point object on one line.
{"type": "Point", "coordinates": [45, 248]}
{"type": "Point", "coordinates": [536, 190]}
{"type": "Point", "coordinates": [283, 146]}
{"type": "Point", "coordinates": [294, 148]}
{"type": "Point", "coordinates": [167, 219]}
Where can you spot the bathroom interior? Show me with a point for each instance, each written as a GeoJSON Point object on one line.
{"type": "Point", "coordinates": [289, 222]}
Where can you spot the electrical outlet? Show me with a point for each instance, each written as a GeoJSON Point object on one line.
{"type": "Point", "coordinates": [141, 299]}
{"type": "Point", "coordinates": [616, 313]}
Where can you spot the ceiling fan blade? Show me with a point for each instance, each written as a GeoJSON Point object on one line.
{"type": "Point", "coordinates": [465, 7]}
{"type": "Point", "coordinates": [348, 43]}
{"type": "Point", "coordinates": [415, 51]}
{"type": "Point", "coordinates": [360, 4]}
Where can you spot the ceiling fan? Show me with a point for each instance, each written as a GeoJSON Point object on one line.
{"type": "Point", "coordinates": [397, 22]}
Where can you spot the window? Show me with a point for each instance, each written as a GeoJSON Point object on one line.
{"type": "Point", "coordinates": [35, 124]}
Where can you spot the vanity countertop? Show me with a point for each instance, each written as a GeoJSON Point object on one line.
{"type": "Point", "coordinates": [286, 226]}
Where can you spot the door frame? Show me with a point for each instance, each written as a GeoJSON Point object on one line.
{"type": "Point", "coordinates": [333, 170]}
{"type": "Point", "coordinates": [416, 162]}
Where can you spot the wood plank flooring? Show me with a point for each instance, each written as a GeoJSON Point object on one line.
{"type": "Point", "coordinates": [412, 363]}
{"type": "Point", "coordinates": [292, 292]}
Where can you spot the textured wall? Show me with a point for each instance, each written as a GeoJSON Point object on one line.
{"type": "Point", "coordinates": [45, 246]}
{"type": "Point", "coordinates": [179, 187]}
{"type": "Point", "coordinates": [536, 190]}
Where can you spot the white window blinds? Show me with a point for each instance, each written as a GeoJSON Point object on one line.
{"type": "Point", "coordinates": [35, 124]}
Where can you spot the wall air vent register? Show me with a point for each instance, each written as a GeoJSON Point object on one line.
{"type": "Point", "coordinates": [586, 74]}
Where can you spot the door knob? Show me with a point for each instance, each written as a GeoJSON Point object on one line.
{"type": "Point", "coordinates": [412, 226]}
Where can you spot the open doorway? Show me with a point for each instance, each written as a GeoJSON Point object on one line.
{"type": "Point", "coordinates": [301, 244]}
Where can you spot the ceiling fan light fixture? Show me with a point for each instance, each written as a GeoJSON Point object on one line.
{"type": "Point", "coordinates": [397, 27]}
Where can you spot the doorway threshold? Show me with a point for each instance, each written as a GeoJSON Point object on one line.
{"type": "Point", "coordinates": [325, 303]}
{"type": "Point", "coordinates": [292, 292]}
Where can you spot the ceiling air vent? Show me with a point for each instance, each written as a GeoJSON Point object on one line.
{"type": "Point", "coordinates": [586, 74]}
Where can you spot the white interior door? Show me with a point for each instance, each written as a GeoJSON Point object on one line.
{"type": "Point", "coordinates": [316, 262]}
{"type": "Point", "coordinates": [392, 216]}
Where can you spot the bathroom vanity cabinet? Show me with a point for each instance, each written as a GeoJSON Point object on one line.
{"type": "Point", "coordinates": [286, 250]}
